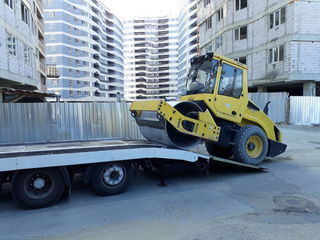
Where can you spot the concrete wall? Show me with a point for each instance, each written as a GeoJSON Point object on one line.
{"type": "Point", "coordinates": [300, 35]}
{"type": "Point", "coordinates": [14, 70]}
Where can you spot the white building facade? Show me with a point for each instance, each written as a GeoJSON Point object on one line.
{"type": "Point", "coordinates": [278, 40]}
{"type": "Point", "coordinates": [151, 63]}
{"type": "Point", "coordinates": [22, 48]}
{"type": "Point", "coordinates": [188, 39]}
{"type": "Point", "coordinates": [84, 51]}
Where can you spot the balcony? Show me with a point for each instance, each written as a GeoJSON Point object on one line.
{"type": "Point", "coordinates": [52, 71]}
{"type": "Point", "coordinates": [97, 84]}
{"type": "Point", "coordinates": [40, 25]}
{"type": "Point", "coordinates": [97, 93]}
{"type": "Point", "coordinates": [42, 67]}
{"type": "Point", "coordinates": [96, 66]}
{"type": "Point", "coordinates": [96, 56]}
{"type": "Point", "coordinates": [40, 5]}
{"type": "Point", "coordinates": [41, 46]}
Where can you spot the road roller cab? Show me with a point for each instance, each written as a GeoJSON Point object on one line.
{"type": "Point", "coordinates": [214, 107]}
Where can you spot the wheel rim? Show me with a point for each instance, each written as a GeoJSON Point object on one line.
{"type": "Point", "coordinates": [254, 146]}
{"type": "Point", "coordinates": [38, 186]}
{"type": "Point", "coordinates": [113, 175]}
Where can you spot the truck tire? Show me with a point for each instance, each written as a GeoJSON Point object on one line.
{"type": "Point", "coordinates": [111, 178]}
{"type": "Point", "coordinates": [250, 145]}
{"type": "Point", "coordinates": [37, 188]}
{"type": "Point", "coordinates": [217, 150]}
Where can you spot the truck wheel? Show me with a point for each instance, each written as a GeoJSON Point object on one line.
{"type": "Point", "coordinates": [218, 150]}
{"type": "Point", "coordinates": [250, 145]}
{"type": "Point", "coordinates": [111, 178]}
{"type": "Point", "coordinates": [37, 188]}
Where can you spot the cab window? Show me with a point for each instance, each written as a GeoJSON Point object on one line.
{"type": "Point", "coordinates": [202, 77]}
{"type": "Point", "coordinates": [231, 81]}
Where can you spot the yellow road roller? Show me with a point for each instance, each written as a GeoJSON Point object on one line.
{"type": "Point", "coordinates": [214, 107]}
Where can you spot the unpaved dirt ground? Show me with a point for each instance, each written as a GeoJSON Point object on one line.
{"type": "Point", "coordinates": [281, 203]}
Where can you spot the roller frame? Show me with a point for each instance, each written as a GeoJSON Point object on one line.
{"type": "Point", "coordinates": [204, 128]}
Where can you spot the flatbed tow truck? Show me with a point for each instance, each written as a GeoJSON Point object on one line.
{"type": "Point", "coordinates": [214, 108]}
{"type": "Point", "coordinates": [39, 174]}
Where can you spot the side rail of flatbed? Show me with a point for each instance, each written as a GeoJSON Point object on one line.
{"type": "Point", "coordinates": [40, 173]}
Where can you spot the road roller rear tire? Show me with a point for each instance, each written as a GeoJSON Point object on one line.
{"type": "Point", "coordinates": [250, 145]}
{"type": "Point", "coordinates": [217, 150]}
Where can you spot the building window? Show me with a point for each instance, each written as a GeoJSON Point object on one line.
{"type": "Point", "coordinates": [240, 4]}
{"type": "Point", "coordinates": [209, 23]}
{"type": "Point", "coordinates": [276, 54]}
{"type": "Point", "coordinates": [78, 82]}
{"type": "Point", "coordinates": [70, 71]}
{"type": "Point", "coordinates": [55, 81]}
{"type": "Point", "coordinates": [34, 31]}
{"type": "Point", "coordinates": [77, 72]}
{"type": "Point", "coordinates": [240, 33]}
{"type": "Point", "coordinates": [86, 83]}
{"type": "Point", "coordinates": [79, 93]}
{"type": "Point", "coordinates": [70, 83]}
{"type": "Point", "coordinates": [52, 14]}
{"type": "Point", "coordinates": [27, 53]}
{"type": "Point", "coordinates": [206, 3]}
{"type": "Point", "coordinates": [77, 62]}
{"type": "Point", "coordinates": [71, 93]}
{"type": "Point", "coordinates": [218, 41]}
{"type": "Point", "coordinates": [242, 60]}
{"type": "Point", "coordinates": [278, 17]}
{"type": "Point", "coordinates": [11, 44]}
{"type": "Point", "coordinates": [220, 14]}
{"type": "Point", "coordinates": [208, 48]}
{"type": "Point", "coordinates": [87, 93]}
{"type": "Point", "coordinates": [25, 14]}
{"type": "Point", "coordinates": [9, 3]}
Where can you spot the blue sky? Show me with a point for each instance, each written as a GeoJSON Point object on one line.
{"type": "Point", "coordinates": [133, 8]}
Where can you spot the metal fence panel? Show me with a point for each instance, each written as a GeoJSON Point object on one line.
{"type": "Point", "coordinates": [48, 122]}
{"type": "Point", "coordinates": [304, 110]}
{"type": "Point", "coordinates": [278, 106]}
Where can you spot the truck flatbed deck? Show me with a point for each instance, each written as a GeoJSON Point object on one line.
{"type": "Point", "coordinates": [33, 169]}
{"type": "Point", "coordinates": [16, 157]}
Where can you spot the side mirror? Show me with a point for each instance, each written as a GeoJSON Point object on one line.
{"type": "Point", "coordinates": [266, 108]}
